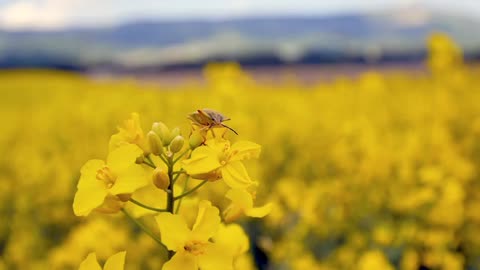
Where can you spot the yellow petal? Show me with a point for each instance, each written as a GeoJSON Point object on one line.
{"type": "Point", "coordinates": [130, 179]}
{"type": "Point", "coordinates": [149, 195]}
{"type": "Point", "coordinates": [189, 210]}
{"type": "Point", "coordinates": [88, 177]}
{"type": "Point", "coordinates": [116, 140]}
{"type": "Point", "coordinates": [240, 198]}
{"type": "Point", "coordinates": [181, 261]}
{"type": "Point", "coordinates": [235, 175]}
{"type": "Point", "coordinates": [245, 261]}
{"type": "Point", "coordinates": [91, 192]}
{"type": "Point", "coordinates": [259, 212]}
{"type": "Point", "coordinates": [203, 160]}
{"type": "Point", "coordinates": [207, 222]}
{"type": "Point", "coordinates": [218, 145]}
{"type": "Point", "coordinates": [233, 239]}
{"type": "Point", "coordinates": [130, 132]}
{"type": "Point", "coordinates": [112, 204]}
{"type": "Point", "coordinates": [123, 156]}
{"type": "Point", "coordinates": [116, 261]}
{"type": "Point", "coordinates": [87, 199]}
{"type": "Point", "coordinates": [214, 258]}
{"type": "Point", "coordinates": [245, 150]}
{"type": "Point", "coordinates": [232, 213]}
{"type": "Point", "coordinates": [174, 230]}
{"type": "Point", "coordinates": [90, 263]}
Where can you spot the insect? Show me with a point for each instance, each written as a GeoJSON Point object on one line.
{"type": "Point", "coordinates": [208, 119]}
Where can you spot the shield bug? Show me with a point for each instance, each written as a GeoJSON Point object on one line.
{"type": "Point", "coordinates": [207, 119]}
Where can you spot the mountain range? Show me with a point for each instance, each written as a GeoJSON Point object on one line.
{"type": "Point", "coordinates": [394, 35]}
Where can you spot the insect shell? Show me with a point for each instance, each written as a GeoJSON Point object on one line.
{"type": "Point", "coordinates": [208, 118]}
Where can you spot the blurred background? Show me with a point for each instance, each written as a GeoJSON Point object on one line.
{"type": "Point", "coordinates": [145, 38]}
{"type": "Point", "coordinates": [367, 112]}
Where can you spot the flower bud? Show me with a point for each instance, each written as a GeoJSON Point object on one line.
{"type": "Point", "coordinates": [195, 140]}
{"type": "Point", "coordinates": [124, 197]}
{"type": "Point", "coordinates": [170, 136]}
{"type": "Point", "coordinates": [174, 133]}
{"type": "Point", "coordinates": [155, 142]}
{"type": "Point", "coordinates": [160, 179]}
{"type": "Point", "coordinates": [162, 130]}
{"type": "Point", "coordinates": [140, 159]}
{"type": "Point", "coordinates": [176, 144]}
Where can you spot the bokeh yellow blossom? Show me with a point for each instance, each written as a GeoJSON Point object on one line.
{"type": "Point", "coordinates": [115, 262]}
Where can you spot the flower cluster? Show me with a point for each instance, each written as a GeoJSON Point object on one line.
{"type": "Point", "coordinates": [151, 174]}
{"type": "Point", "coordinates": [375, 171]}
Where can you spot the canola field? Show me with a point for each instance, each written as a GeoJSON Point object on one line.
{"type": "Point", "coordinates": [377, 172]}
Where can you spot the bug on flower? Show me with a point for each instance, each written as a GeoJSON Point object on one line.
{"type": "Point", "coordinates": [208, 118]}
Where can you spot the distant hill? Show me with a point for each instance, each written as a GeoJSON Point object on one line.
{"type": "Point", "coordinates": [397, 35]}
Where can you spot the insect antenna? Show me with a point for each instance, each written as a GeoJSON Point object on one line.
{"type": "Point", "coordinates": [225, 126]}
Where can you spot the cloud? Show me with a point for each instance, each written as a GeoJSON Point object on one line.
{"type": "Point", "coordinates": [38, 13]}
{"type": "Point", "coordinates": [51, 14]}
{"type": "Point", "coordinates": [61, 13]}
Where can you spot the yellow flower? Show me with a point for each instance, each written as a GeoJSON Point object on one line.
{"type": "Point", "coordinates": [217, 160]}
{"type": "Point", "coordinates": [149, 195]}
{"type": "Point", "coordinates": [233, 239]}
{"type": "Point", "coordinates": [131, 132]}
{"type": "Point", "coordinates": [192, 246]}
{"type": "Point", "coordinates": [242, 203]}
{"type": "Point", "coordinates": [305, 261]}
{"type": "Point", "coordinates": [235, 243]}
{"type": "Point", "coordinates": [115, 262]}
{"type": "Point", "coordinates": [244, 262]}
{"type": "Point", "coordinates": [103, 186]}
{"type": "Point", "coordinates": [374, 260]}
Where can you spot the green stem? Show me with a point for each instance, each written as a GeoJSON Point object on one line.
{"type": "Point", "coordinates": [191, 190]}
{"type": "Point", "coordinates": [149, 164]}
{"type": "Point", "coordinates": [163, 159]}
{"type": "Point", "coordinates": [170, 198]}
{"type": "Point", "coordinates": [176, 177]}
{"type": "Point", "coordinates": [152, 164]}
{"type": "Point", "coordinates": [180, 156]}
{"type": "Point", "coordinates": [144, 228]}
{"type": "Point", "coordinates": [147, 207]}
{"type": "Point", "coordinates": [180, 202]}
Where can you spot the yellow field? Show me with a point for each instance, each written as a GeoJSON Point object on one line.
{"type": "Point", "coordinates": [378, 172]}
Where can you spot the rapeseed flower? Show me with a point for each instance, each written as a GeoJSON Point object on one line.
{"type": "Point", "coordinates": [374, 260]}
{"type": "Point", "coordinates": [192, 246]}
{"type": "Point", "coordinates": [103, 186]}
{"type": "Point", "coordinates": [242, 203]}
{"type": "Point", "coordinates": [218, 160]}
{"type": "Point", "coordinates": [130, 133]}
{"type": "Point", "coordinates": [233, 239]}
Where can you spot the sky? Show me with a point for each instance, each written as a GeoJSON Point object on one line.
{"type": "Point", "coordinates": [55, 14]}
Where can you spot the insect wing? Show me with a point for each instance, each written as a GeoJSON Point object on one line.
{"type": "Point", "coordinates": [200, 118]}
{"type": "Point", "coordinates": [215, 116]}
